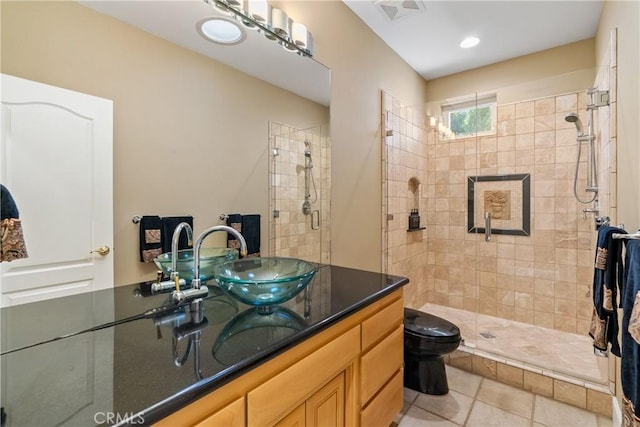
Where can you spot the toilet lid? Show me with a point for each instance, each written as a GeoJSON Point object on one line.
{"type": "Point", "coordinates": [428, 325]}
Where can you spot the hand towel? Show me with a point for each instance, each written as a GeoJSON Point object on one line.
{"type": "Point", "coordinates": [150, 237]}
{"type": "Point", "coordinates": [12, 245]}
{"type": "Point", "coordinates": [169, 224]}
{"type": "Point", "coordinates": [234, 221]}
{"type": "Point", "coordinates": [8, 208]}
{"type": "Point", "coordinates": [251, 234]}
{"type": "Point", "coordinates": [607, 278]}
{"type": "Point", "coordinates": [249, 227]}
{"type": "Point", "coordinates": [630, 362]}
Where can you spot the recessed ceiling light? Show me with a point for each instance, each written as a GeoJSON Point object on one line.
{"type": "Point", "coordinates": [221, 30]}
{"type": "Point", "coordinates": [469, 42]}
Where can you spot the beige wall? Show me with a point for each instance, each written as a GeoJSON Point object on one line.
{"type": "Point", "coordinates": [184, 141]}
{"type": "Point", "coordinates": [567, 68]}
{"type": "Point", "coordinates": [106, 58]}
{"type": "Point", "coordinates": [361, 67]}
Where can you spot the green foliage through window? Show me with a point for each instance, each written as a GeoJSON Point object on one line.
{"type": "Point", "coordinates": [469, 121]}
{"type": "Point", "coordinates": [469, 117]}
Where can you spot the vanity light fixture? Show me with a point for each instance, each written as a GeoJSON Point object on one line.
{"type": "Point", "coordinates": [221, 30]}
{"type": "Point", "coordinates": [258, 10]}
{"type": "Point", "coordinates": [299, 34]}
{"type": "Point", "coordinates": [468, 42]}
{"type": "Point", "coordinates": [281, 23]}
{"type": "Point", "coordinates": [273, 23]}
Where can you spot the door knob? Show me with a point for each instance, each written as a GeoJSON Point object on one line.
{"type": "Point", "coordinates": [103, 250]}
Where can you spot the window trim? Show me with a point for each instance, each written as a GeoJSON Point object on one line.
{"type": "Point", "coordinates": [467, 104]}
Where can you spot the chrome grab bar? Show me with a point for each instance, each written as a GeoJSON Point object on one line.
{"type": "Point", "coordinates": [487, 227]}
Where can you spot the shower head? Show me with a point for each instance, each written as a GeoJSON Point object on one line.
{"type": "Point", "coordinates": [573, 118]}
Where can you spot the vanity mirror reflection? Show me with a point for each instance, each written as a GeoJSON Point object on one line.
{"type": "Point", "coordinates": [191, 119]}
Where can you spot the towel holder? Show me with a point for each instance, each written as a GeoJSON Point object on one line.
{"type": "Point", "coordinates": [224, 217]}
{"type": "Point", "coordinates": [137, 218]}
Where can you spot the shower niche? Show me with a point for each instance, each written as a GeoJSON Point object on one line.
{"type": "Point", "coordinates": [413, 200]}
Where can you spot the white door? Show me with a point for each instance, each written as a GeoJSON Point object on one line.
{"type": "Point", "coordinates": [56, 160]}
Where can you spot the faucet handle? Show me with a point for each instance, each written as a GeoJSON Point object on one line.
{"type": "Point", "coordinates": [176, 280]}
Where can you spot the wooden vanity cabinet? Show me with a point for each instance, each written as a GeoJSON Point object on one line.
{"type": "Point", "coordinates": [232, 415]}
{"type": "Point", "coordinates": [381, 364]}
{"type": "Point", "coordinates": [347, 375]}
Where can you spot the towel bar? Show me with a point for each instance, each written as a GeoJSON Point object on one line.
{"type": "Point", "coordinates": [635, 236]}
{"type": "Point", "coordinates": [137, 218]}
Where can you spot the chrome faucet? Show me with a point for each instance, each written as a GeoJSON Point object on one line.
{"type": "Point", "coordinates": [198, 291]}
{"type": "Point", "coordinates": [196, 249]}
{"type": "Point", "coordinates": [174, 246]}
{"type": "Point", "coordinates": [174, 282]}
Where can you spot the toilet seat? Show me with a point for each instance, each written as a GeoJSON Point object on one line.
{"type": "Point", "coordinates": [429, 327]}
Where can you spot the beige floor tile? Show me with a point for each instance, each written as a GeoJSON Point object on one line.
{"type": "Point", "coordinates": [453, 406]}
{"type": "Point", "coordinates": [416, 417]}
{"type": "Point", "coordinates": [566, 353]}
{"type": "Point", "coordinates": [463, 382]}
{"type": "Point", "coordinates": [506, 397]}
{"type": "Point", "coordinates": [552, 413]}
{"type": "Point", "coordinates": [405, 408]}
{"type": "Point", "coordinates": [604, 421]}
{"type": "Point", "coordinates": [483, 415]}
{"type": "Point", "coordinates": [410, 395]}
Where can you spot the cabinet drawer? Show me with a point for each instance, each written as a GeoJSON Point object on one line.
{"type": "Point", "coordinates": [284, 392]}
{"type": "Point", "coordinates": [383, 322]}
{"type": "Point", "coordinates": [231, 415]}
{"type": "Point", "coordinates": [386, 405]}
{"type": "Point", "coordinates": [380, 363]}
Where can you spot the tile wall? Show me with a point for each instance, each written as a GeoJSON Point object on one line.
{"type": "Point", "coordinates": [404, 188]}
{"type": "Point", "coordinates": [291, 234]}
{"type": "Point", "coordinates": [542, 279]}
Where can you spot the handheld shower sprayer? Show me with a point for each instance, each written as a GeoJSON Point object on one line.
{"type": "Point", "coordinates": [573, 118]}
{"type": "Point", "coordinates": [592, 183]}
{"type": "Point", "coordinates": [308, 180]}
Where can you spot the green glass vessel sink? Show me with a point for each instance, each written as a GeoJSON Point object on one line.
{"type": "Point", "coordinates": [209, 258]}
{"type": "Point", "coordinates": [264, 281]}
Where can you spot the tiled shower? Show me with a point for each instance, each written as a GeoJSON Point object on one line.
{"type": "Point", "coordinates": [542, 279]}
{"type": "Point", "coordinates": [293, 233]}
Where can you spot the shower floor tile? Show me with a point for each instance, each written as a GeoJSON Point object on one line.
{"type": "Point", "coordinates": [540, 348]}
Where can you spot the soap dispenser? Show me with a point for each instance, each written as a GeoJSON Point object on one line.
{"type": "Point", "coordinates": [414, 220]}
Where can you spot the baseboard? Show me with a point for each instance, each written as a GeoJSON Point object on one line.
{"type": "Point", "coordinates": [616, 412]}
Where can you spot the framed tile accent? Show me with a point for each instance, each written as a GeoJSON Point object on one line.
{"type": "Point", "coordinates": [506, 197]}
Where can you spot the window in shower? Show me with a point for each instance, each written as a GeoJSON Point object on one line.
{"type": "Point", "coordinates": [470, 117]}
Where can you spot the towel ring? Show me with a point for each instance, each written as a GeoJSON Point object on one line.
{"type": "Point", "coordinates": [136, 219]}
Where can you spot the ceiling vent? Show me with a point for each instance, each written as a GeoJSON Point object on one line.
{"type": "Point", "coordinates": [395, 10]}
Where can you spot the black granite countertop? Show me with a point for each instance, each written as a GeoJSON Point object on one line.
{"type": "Point", "coordinates": [95, 359]}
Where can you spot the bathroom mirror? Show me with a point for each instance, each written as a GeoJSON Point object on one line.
{"type": "Point", "coordinates": [256, 55]}
{"type": "Point", "coordinates": [190, 133]}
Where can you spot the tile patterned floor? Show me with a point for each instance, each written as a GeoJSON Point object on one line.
{"type": "Point", "coordinates": [541, 348]}
{"type": "Point", "coordinates": [474, 401]}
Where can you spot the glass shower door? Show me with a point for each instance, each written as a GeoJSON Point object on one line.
{"type": "Point", "coordinates": [299, 170]}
